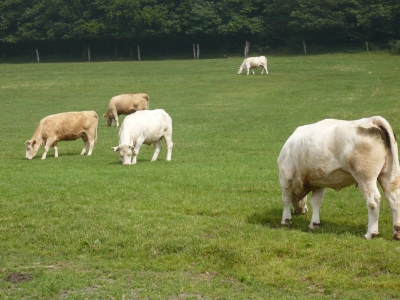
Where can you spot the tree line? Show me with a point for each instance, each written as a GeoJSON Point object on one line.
{"type": "Point", "coordinates": [213, 23]}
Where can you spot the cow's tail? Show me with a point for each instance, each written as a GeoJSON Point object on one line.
{"type": "Point", "coordinates": [391, 143]}
{"type": "Point", "coordinates": [97, 124]}
{"type": "Point", "coordinates": [148, 101]}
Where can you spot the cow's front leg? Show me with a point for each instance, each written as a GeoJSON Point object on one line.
{"type": "Point", "coordinates": [316, 202]}
{"type": "Point", "coordinates": [47, 144]}
{"type": "Point", "coordinates": [394, 203]}
{"type": "Point", "coordinates": [157, 149]}
{"type": "Point", "coordinates": [393, 197]}
{"type": "Point", "coordinates": [115, 116]}
{"type": "Point", "coordinates": [135, 151]}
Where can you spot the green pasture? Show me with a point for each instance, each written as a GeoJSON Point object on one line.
{"type": "Point", "coordinates": [207, 224]}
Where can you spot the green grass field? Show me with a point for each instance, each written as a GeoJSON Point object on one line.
{"type": "Point", "coordinates": [207, 224]}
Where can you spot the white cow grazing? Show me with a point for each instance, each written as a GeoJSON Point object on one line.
{"type": "Point", "coordinates": [254, 62]}
{"type": "Point", "coordinates": [148, 127]}
{"type": "Point", "coordinates": [66, 126]}
{"type": "Point", "coordinates": [336, 154]}
{"type": "Point", "coordinates": [125, 104]}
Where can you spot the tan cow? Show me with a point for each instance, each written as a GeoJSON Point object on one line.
{"type": "Point", "coordinates": [66, 126]}
{"type": "Point", "coordinates": [125, 104]}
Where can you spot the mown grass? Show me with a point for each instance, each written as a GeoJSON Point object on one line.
{"type": "Point", "coordinates": [207, 224]}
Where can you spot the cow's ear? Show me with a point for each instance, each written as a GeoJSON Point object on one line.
{"type": "Point", "coordinates": [27, 143]}
{"type": "Point", "coordinates": [33, 143]}
{"type": "Point", "coordinates": [104, 115]}
{"type": "Point", "coordinates": [131, 147]}
{"type": "Point", "coordinates": [115, 148]}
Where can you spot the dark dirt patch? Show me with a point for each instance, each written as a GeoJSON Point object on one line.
{"type": "Point", "coordinates": [18, 277]}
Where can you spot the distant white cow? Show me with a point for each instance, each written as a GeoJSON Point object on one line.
{"type": "Point", "coordinates": [254, 62]}
{"type": "Point", "coordinates": [148, 127]}
{"type": "Point", "coordinates": [125, 104]}
{"type": "Point", "coordinates": [66, 126]}
{"type": "Point", "coordinates": [336, 154]}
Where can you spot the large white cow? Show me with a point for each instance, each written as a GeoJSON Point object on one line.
{"type": "Point", "coordinates": [254, 62]}
{"type": "Point", "coordinates": [336, 154]}
{"type": "Point", "coordinates": [66, 126]}
{"type": "Point", "coordinates": [148, 127]}
{"type": "Point", "coordinates": [125, 104]}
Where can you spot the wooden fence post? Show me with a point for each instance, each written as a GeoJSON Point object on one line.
{"type": "Point", "coordinates": [198, 51]}
{"type": "Point", "coordinates": [37, 55]}
{"type": "Point", "coordinates": [138, 53]}
{"type": "Point", "coordinates": [247, 49]}
{"type": "Point", "coordinates": [305, 47]}
{"type": "Point", "coordinates": [88, 53]}
{"type": "Point", "coordinates": [194, 51]}
{"type": "Point", "coordinates": [366, 44]}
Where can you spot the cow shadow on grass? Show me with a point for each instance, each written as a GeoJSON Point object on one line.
{"type": "Point", "coordinates": [271, 218]}
{"type": "Point", "coordinates": [118, 162]}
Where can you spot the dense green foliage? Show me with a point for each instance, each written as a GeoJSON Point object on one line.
{"type": "Point", "coordinates": [215, 24]}
{"type": "Point", "coordinates": [207, 224]}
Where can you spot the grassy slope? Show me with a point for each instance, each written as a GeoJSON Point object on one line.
{"type": "Point", "coordinates": [207, 223]}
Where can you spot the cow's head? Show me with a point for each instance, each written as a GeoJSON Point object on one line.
{"type": "Point", "coordinates": [125, 153]}
{"type": "Point", "coordinates": [300, 206]}
{"type": "Point", "coordinates": [239, 70]}
{"type": "Point", "coordinates": [32, 148]}
{"type": "Point", "coordinates": [108, 118]}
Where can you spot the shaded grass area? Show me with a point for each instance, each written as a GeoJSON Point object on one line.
{"type": "Point", "coordinates": [207, 224]}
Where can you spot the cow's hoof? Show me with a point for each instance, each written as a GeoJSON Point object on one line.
{"type": "Point", "coordinates": [371, 236]}
{"type": "Point", "coordinates": [286, 222]}
{"type": "Point", "coordinates": [396, 236]}
{"type": "Point", "coordinates": [314, 226]}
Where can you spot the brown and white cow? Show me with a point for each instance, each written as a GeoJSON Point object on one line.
{"type": "Point", "coordinates": [336, 154]}
{"type": "Point", "coordinates": [125, 104]}
{"type": "Point", "coordinates": [66, 126]}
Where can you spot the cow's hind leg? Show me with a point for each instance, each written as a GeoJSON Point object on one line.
{"type": "Point", "coordinates": [300, 206]}
{"type": "Point", "coordinates": [266, 70]}
{"type": "Point", "coordinates": [170, 145]}
{"type": "Point", "coordinates": [90, 142]}
{"type": "Point", "coordinates": [86, 146]}
{"type": "Point", "coordinates": [55, 146]}
{"type": "Point", "coordinates": [287, 201]}
{"type": "Point", "coordinates": [316, 202]}
{"type": "Point", "coordinates": [157, 149]}
{"type": "Point", "coordinates": [372, 197]}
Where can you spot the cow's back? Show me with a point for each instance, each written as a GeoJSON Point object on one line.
{"type": "Point", "coordinates": [129, 103]}
{"type": "Point", "coordinates": [150, 124]}
{"type": "Point", "coordinates": [69, 122]}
